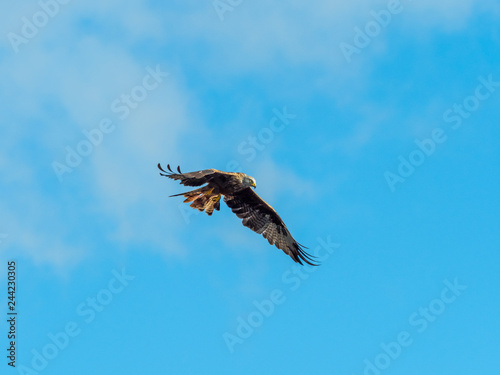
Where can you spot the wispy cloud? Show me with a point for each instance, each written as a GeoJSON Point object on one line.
{"type": "Point", "coordinates": [89, 54]}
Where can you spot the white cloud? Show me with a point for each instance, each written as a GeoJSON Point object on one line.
{"type": "Point", "coordinates": [127, 183]}
{"type": "Point", "coordinates": [259, 36]}
{"type": "Point", "coordinates": [120, 176]}
{"type": "Point", "coordinates": [274, 180]}
{"type": "Point", "coordinates": [37, 225]}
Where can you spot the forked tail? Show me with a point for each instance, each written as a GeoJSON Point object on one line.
{"type": "Point", "coordinates": [204, 199]}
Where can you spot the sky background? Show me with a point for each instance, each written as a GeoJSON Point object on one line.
{"type": "Point", "coordinates": [398, 239]}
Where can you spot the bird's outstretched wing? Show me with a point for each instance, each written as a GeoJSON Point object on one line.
{"type": "Point", "coordinates": [189, 179]}
{"type": "Point", "coordinates": [263, 219]}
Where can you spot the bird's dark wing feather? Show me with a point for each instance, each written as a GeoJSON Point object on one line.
{"type": "Point", "coordinates": [189, 179]}
{"type": "Point", "coordinates": [263, 219]}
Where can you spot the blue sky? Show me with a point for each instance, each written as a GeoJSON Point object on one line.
{"type": "Point", "coordinates": [386, 166]}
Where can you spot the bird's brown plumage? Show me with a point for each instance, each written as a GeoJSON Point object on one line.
{"type": "Point", "coordinates": [243, 201]}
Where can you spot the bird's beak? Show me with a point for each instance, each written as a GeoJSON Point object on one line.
{"type": "Point", "coordinates": [254, 185]}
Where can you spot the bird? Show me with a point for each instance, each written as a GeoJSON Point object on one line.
{"type": "Point", "coordinates": [236, 188]}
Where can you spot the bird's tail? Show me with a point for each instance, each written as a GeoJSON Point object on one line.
{"type": "Point", "coordinates": [204, 199]}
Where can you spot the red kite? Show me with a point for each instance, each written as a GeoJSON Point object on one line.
{"type": "Point", "coordinates": [243, 201]}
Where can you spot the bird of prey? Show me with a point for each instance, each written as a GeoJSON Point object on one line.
{"type": "Point", "coordinates": [243, 201]}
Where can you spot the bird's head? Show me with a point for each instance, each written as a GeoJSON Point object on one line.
{"type": "Point", "coordinates": [249, 181]}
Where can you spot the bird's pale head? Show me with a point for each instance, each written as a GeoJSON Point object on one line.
{"type": "Point", "coordinates": [249, 181]}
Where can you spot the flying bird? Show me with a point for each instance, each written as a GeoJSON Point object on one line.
{"type": "Point", "coordinates": [243, 201]}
